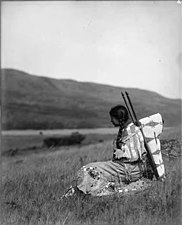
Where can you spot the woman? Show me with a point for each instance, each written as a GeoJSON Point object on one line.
{"type": "Point", "coordinates": [127, 165]}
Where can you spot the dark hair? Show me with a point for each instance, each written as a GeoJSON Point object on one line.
{"type": "Point", "coordinates": [120, 112]}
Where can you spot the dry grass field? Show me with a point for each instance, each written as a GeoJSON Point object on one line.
{"type": "Point", "coordinates": [32, 186]}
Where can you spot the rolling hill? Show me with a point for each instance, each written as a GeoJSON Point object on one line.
{"type": "Point", "coordinates": [31, 102]}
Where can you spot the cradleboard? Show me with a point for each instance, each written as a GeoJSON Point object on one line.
{"type": "Point", "coordinates": [152, 127]}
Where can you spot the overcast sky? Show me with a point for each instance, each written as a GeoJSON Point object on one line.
{"type": "Point", "coordinates": [128, 44]}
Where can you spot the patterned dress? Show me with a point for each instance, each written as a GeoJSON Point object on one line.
{"type": "Point", "coordinates": [121, 174]}
{"type": "Point", "coordinates": [129, 169]}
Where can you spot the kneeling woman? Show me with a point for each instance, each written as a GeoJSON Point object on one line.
{"type": "Point", "coordinates": [127, 165]}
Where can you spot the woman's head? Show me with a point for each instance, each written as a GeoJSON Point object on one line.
{"type": "Point", "coordinates": [119, 115]}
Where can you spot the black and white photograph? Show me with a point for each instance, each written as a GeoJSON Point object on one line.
{"type": "Point", "coordinates": [91, 112]}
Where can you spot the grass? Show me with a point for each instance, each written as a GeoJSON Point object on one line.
{"type": "Point", "coordinates": [24, 144]}
{"type": "Point", "coordinates": [28, 141]}
{"type": "Point", "coordinates": [32, 186]}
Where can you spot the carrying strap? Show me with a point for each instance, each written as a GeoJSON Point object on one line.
{"type": "Point", "coordinates": [131, 135]}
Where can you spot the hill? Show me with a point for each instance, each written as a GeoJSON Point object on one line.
{"type": "Point", "coordinates": [31, 102]}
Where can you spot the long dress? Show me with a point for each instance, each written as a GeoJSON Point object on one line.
{"type": "Point", "coordinates": [125, 172]}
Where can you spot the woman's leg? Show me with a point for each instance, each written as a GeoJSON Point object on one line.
{"type": "Point", "coordinates": [98, 177]}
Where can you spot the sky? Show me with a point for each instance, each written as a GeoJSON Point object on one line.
{"type": "Point", "coordinates": [120, 43]}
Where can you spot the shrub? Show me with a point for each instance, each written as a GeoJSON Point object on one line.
{"type": "Point", "coordinates": [73, 139]}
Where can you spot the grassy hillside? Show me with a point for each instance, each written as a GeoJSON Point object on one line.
{"type": "Point", "coordinates": [31, 102]}
{"type": "Point", "coordinates": [32, 186]}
